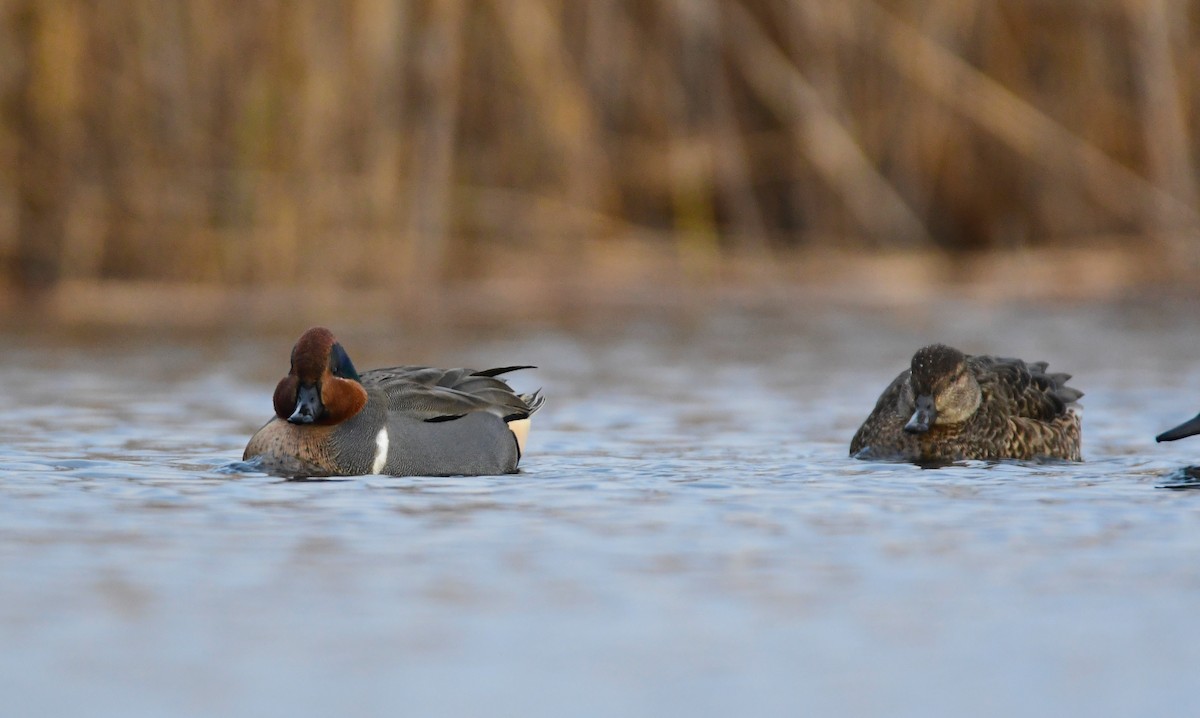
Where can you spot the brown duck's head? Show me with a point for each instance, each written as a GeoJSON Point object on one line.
{"type": "Point", "coordinates": [322, 387]}
{"type": "Point", "coordinates": [944, 390]}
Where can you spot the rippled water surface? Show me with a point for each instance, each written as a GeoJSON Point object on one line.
{"type": "Point", "coordinates": [686, 536]}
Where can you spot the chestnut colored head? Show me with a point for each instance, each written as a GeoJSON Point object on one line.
{"type": "Point", "coordinates": [322, 387]}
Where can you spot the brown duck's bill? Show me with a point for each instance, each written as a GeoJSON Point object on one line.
{"type": "Point", "coordinates": [923, 417]}
{"type": "Point", "coordinates": [1187, 428]}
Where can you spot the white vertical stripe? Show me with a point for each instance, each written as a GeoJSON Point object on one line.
{"type": "Point", "coordinates": [381, 447]}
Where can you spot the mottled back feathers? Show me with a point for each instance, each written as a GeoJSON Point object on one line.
{"type": "Point", "coordinates": [1026, 388]}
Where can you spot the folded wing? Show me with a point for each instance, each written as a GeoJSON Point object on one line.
{"type": "Point", "coordinates": [1027, 389]}
{"type": "Point", "coordinates": [431, 394]}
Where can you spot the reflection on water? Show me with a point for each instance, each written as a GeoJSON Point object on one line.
{"type": "Point", "coordinates": [687, 533]}
{"type": "Point", "coordinates": [1183, 478]}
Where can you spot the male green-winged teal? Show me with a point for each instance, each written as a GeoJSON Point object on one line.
{"type": "Point", "coordinates": [1191, 427]}
{"type": "Point", "coordinates": [950, 406]}
{"type": "Point", "coordinates": [404, 421]}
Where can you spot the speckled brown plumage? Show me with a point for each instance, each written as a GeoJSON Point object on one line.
{"type": "Point", "coordinates": [950, 406]}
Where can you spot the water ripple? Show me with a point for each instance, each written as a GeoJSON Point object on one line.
{"type": "Point", "coordinates": [686, 534]}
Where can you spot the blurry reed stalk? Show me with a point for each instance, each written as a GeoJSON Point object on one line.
{"type": "Point", "coordinates": [403, 144]}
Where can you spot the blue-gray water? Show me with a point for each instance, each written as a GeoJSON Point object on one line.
{"type": "Point", "coordinates": [686, 537]}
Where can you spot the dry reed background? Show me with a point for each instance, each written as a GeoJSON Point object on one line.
{"type": "Point", "coordinates": [374, 143]}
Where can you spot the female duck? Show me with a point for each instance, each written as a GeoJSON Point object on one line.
{"type": "Point", "coordinates": [404, 421]}
{"type": "Point", "coordinates": [951, 406]}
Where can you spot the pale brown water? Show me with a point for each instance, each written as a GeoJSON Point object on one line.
{"type": "Point", "coordinates": [687, 535]}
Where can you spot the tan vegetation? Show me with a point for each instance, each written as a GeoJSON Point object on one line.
{"type": "Point", "coordinates": [401, 145]}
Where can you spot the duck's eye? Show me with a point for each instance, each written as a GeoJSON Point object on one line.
{"type": "Point", "coordinates": [340, 364]}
